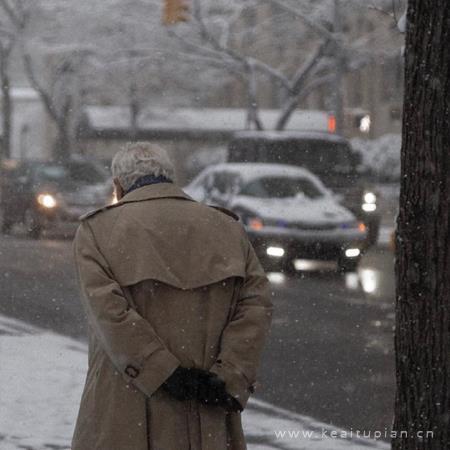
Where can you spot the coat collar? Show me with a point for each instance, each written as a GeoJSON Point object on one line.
{"type": "Point", "coordinates": [149, 192]}
{"type": "Point", "coordinates": [154, 191]}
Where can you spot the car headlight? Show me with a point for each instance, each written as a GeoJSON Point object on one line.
{"type": "Point", "coordinates": [369, 202]}
{"type": "Point", "coordinates": [47, 200]}
{"type": "Point", "coordinates": [369, 207]}
{"type": "Point", "coordinates": [352, 252]}
{"type": "Point", "coordinates": [370, 198]}
{"type": "Point", "coordinates": [277, 252]}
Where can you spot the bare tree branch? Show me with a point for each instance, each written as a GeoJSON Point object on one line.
{"type": "Point", "coordinates": [292, 103]}
{"type": "Point", "coordinates": [305, 70]}
{"type": "Point", "coordinates": [46, 99]}
{"type": "Point", "coordinates": [218, 55]}
{"type": "Point", "coordinates": [221, 50]}
{"type": "Point", "coordinates": [321, 30]}
{"type": "Point", "coordinates": [19, 16]}
{"type": "Point", "coordinates": [271, 72]}
{"type": "Point", "coordinates": [217, 49]}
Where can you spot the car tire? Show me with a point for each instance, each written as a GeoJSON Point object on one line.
{"type": "Point", "coordinates": [32, 224]}
{"type": "Point", "coordinates": [346, 265]}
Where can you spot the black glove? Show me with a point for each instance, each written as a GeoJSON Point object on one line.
{"type": "Point", "coordinates": [201, 385]}
{"type": "Point", "coordinates": [212, 392]}
{"type": "Point", "coordinates": [232, 405]}
{"type": "Point", "coordinates": [184, 383]}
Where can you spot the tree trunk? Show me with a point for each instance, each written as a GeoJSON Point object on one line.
{"type": "Point", "coordinates": [134, 111]}
{"type": "Point", "coordinates": [286, 113]}
{"type": "Point", "coordinates": [422, 338]}
{"type": "Point", "coordinates": [253, 119]}
{"type": "Point", "coordinates": [64, 141]}
{"type": "Point", "coordinates": [6, 105]}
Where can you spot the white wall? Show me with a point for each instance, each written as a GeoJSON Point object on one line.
{"type": "Point", "coordinates": [30, 126]}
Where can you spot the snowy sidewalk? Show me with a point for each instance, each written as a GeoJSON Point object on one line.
{"type": "Point", "coordinates": [41, 380]}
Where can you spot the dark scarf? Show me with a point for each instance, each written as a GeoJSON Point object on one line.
{"type": "Point", "coordinates": [146, 180]}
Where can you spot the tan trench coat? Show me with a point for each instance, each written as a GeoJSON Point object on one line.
{"type": "Point", "coordinates": [167, 281]}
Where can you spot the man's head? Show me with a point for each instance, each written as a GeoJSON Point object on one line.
{"type": "Point", "coordinates": [139, 159]}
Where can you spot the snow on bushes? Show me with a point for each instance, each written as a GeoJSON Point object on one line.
{"type": "Point", "coordinates": [380, 157]}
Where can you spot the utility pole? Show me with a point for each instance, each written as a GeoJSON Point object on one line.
{"type": "Point", "coordinates": [339, 57]}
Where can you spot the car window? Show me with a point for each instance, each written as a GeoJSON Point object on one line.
{"type": "Point", "coordinates": [50, 174]}
{"type": "Point", "coordinates": [281, 187]}
{"type": "Point", "coordinates": [319, 156]}
{"type": "Point", "coordinates": [85, 173]}
{"type": "Point", "coordinates": [76, 173]}
{"type": "Point", "coordinates": [225, 182]}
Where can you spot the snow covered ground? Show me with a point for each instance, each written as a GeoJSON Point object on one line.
{"type": "Point", "coordinates": [41, 380]}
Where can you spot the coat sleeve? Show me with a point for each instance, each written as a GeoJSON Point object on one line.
{"type": "Point", "coordinates": [128, 339]}
{"type": "Point", "coordinates": [243, 338]}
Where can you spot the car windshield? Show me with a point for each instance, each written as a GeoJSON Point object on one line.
{"type": "Point", "coordinates": [50, 173]}
{"type": "Point", "coordinates": [319, 156]}
{"type": "Point", "coordinates": [77, 172]}
{"type": "Point", "coordinates": [281, 187]}
{"type": "Point", "coordinates": [87, 173]}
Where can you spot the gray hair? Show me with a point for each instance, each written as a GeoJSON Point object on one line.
{"type": "Point", "coordinates": [138, 159]}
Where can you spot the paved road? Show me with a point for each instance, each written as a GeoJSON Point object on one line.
{"type": "Point", "coordinates": [330, 352]}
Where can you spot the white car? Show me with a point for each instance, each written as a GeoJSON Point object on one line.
{"type": "Point", "coordinates": [290, 216]}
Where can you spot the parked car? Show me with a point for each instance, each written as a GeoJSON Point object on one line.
{"type": "Point", "coordinates": [290, 216]}
{"type": "Point", "coordinates": [43, 195]}
{"type": "Point", "coordinates": [326, 155]}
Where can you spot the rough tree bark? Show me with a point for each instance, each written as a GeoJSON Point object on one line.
{"type": "Point", "coordinates": [423, 252]}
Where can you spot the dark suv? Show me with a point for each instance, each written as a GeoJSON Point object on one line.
{"type": "Point", "coordinates": [42, 195]}
{"type": "Point", "coordinates": [327, 155]}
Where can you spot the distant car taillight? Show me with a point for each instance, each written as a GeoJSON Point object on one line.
{"type": "Point", "coordinates": [255, 224]}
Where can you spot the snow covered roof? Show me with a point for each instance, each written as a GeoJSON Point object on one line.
{"type": "Point", "coordinates": [250, 171]}
{"type": "Point", "coordinates": [203, 121]}
{"type": "Point", "coordinates": [24, 93]}
{"type": "Point", "coordinates": [289, 134]}
{"type": "Point", "coordinates": [20, 94]}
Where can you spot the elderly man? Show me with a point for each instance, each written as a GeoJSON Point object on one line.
{"type": "Point", "coordinates": [178, 309]}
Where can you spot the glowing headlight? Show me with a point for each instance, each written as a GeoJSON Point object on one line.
{"type": "Point", "coordinates": [352, 252]}
{"type": "Point", "coordinates": [46, 200]}
{"type": "Point", "coordinates": [365, 123]}
{"type": "Point", "coordinates": [370, 197]}
{"type": "Point", "coordinates": [369, 207]}
{"type": "Point", "coordinates": [278, 252]}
